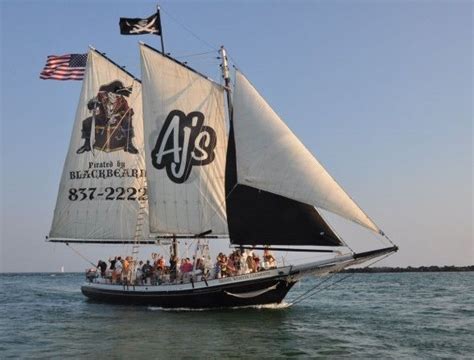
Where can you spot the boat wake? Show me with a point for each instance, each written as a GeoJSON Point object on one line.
{"type": "Point", "coordinates": [275, 306]}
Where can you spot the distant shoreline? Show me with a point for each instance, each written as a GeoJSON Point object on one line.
{"type": "Point", "coordinates": [410, 269]}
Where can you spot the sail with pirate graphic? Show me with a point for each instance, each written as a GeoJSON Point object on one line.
{"type": "Point", "coordinates": [179, 160]}
{"type": "Point", "coordinates": [103, 185]}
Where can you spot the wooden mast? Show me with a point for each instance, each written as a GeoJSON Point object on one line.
{"type": "Point", "coordinates": [226, 77]}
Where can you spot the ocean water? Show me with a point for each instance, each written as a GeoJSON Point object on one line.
{"type": "Point", "coordinates": [376, 316]}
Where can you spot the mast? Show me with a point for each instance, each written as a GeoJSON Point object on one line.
{"type": "Point", "coordinates": [161, 29]}
{"type": "Point", "coordinates": [231, 177]}
{"type": "Point", "coordinates": [174, 246]}
{"type": "Point", "coordinates": [226, 77]}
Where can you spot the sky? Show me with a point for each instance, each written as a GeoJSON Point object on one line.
{"type": "Point", "coordinates": [380, 91]}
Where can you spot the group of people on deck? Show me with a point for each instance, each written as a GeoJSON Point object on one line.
{"type": "Point", "coordinates": [243, 262]}
{"type": "Point", "coordinates": [119, 270]}
{"type": "Point", "coordinates": [155, 271]}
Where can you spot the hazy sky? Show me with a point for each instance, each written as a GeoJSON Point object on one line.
{"type": "Point", "coordinates": [380, 92]}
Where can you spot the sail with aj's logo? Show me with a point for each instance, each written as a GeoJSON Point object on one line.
{"type": "Point", "coordinates": [103, 186]}
{"type": "Point", "coordinates": [186, 138]}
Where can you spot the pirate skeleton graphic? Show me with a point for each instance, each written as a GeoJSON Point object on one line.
{"type": "Point", "coordinates": [112, 119]}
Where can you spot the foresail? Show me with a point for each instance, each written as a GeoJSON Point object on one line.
{"type": "Point", "coordinates": [103, 184]}
{"type": "Point", "coordinates": [185, 145]}
{"type": "Point", "coordinates": [271, 158]}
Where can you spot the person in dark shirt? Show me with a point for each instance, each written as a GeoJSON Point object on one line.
{"type": "Point", "coordinates": [147, 270]}
{"type": "Point", "coordinates": [173, 267]}
{"type": "Point", "coordinates": [112, 263]}
{"type": "Point", "coordinates": [102, 266]}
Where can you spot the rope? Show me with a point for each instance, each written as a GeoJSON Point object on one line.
{"type": "Point", "coordinates": [197, 54]}
{"type": "Point", "coordinates": [303, 296]}
{"type": "Point", "coordinates": [82, 256]}
{"type": "Point", "coordinates": [189, 30]}
{"type": "Point", "coordinates": [312, 291]}
{"type": "Point", "coordinates": [234, 63]}
{"type": "Point", "coordinates": [390, 240]}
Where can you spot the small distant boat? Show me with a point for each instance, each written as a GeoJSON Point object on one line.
{"type": "Point", "coordinates": [159, 162]}
{"type": "Point", "coordinates": [62, 269]}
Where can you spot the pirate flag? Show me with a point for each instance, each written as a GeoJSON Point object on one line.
{"type": "Point", "coordinates": [137, 26]}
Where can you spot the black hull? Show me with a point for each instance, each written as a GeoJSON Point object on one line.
{"type": "Point", "coordinates": [273, 291]}
{"type": "Point", "coordinates": [266, 287]}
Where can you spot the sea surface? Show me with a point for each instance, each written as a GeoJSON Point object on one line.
{"type": "Point", "coordinates": [361, 316]}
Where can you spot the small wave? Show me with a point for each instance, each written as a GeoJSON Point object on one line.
{"type": "Point", "coordinates": [282, 305]}
{"type": "Point", "coordinates": [275, 306]}
{"type": "Point", "coordinates": [157, 308]}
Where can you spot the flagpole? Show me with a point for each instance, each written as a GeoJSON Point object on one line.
{"type": "Point", "coordinates": [161, 29]}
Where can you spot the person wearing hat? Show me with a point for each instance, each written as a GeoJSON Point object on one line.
{"type": "Point", "coordinates": [112, 119]}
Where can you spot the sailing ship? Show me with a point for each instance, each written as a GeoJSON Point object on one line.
{"type": "Point", "coordinates": [179, 157]}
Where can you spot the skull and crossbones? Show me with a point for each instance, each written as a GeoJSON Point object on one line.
{"type": "Point", "coordinates": [144, 25]}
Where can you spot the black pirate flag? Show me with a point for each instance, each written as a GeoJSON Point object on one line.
{"type": "Point", "coordinates": [137, 26]}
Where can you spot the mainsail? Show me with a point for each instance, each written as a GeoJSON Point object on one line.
{"type": "Point", "coordinates": [273, 166]}
{"type": "Point", "coordinates": [103, 188]}
{"type": "Point", "coordinates": [185, 145]}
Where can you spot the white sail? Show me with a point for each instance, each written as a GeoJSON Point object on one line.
{"type": "Point", "coordinates": [186, 147]}
{"type": "Point", "coordinates": [271, 158]}
{"type": "Point", "coordinates": [103, 184]}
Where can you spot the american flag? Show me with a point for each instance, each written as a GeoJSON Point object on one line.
{"type": "Point", "coordinates": [64, 67]}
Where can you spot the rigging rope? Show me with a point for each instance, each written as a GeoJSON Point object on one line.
{"type": "Point", "coordinates": [196, 54]}
{"type": "Point", "coordinates": [82, 256]}
{"type": "Point", "coordinates": [189, 30]}
{"type": "Point", "coordinates": [312, 291]}
{"type": "Point", "coordinates": [390, 240]}
{"type": "Point", "coordinates": [209, 45]}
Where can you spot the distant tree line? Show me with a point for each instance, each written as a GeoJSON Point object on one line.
{"type": "Point", "coordinates": [410, 269]}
